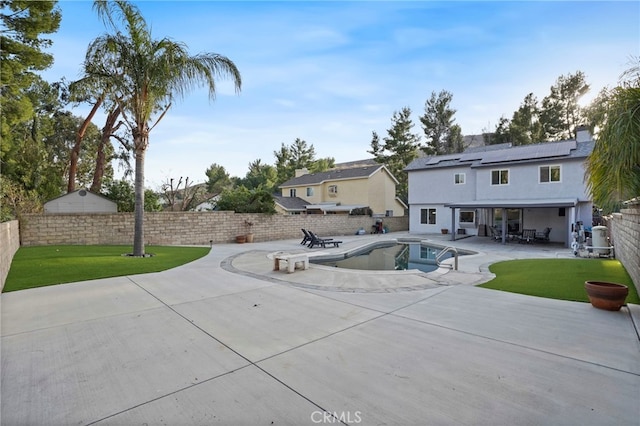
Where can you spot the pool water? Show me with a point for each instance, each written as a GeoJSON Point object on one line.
{"type": "Point", "coordinates": [396, 257]}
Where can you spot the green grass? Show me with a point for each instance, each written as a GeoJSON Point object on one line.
{"type": "Point", "coordinates": [48, 265]}
{"type": "Point", "coordinates": [558, 278]}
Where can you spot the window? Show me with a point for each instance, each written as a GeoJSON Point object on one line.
{"type": "Point", "coordinates": [467, 217]}
{"type": "Point", "coordinates": [333, 189]}
{"type": "Point", "coordinates": [549, 174]}
{"type": "Point", "coordinates": [459, 178]}
{"type": "Point", "coordinates": [428, 216]}
{"type": "Point", "coordinates": [500, 177]}
{"type": "Point", "coordinates": [388, 213]}
{"type": "Point", "coordinates": [292, 192]}
{"type": "Point", "coordinates": [309, 192]}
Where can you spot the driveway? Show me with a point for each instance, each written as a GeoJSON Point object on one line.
{"type": "Point", "coordinates": [226, 340]}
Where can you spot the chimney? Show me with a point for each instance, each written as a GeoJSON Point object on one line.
{"type": "Point", "coordinates": [300, 172]}
{"type": "Point", "coordinates": [583, 134]}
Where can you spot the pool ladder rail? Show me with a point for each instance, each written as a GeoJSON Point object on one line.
{"type": "Point", "coordinates": [445, 251]}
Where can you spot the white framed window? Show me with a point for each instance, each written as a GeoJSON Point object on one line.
{"type": "Point", "coordinates": [500, 177]}
{"type": "Point", "coordinates": [309, 192]}
{"type": "Point", "coordinates": [467, 217]}
{"type": "Point", "coordinates": [292, 192]}
{"type": "Point", "coordinates": [549, 174]}
{"type": "Point", "coordinates": [333, 189]}
{"type": "Point", "coordinates": [428, 216]}
{"type": "Point", "coordinates": [459, 178]}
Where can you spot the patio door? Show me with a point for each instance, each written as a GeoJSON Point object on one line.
{"type": "Point", "coordinates": [514, 220]}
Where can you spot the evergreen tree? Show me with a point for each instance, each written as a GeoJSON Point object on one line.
{"type": "Point", "coordinates": [399, 149]}
{"type": "Point", "coordinates": [438, 125]}
{"type": "Point", "coordinates": [525, 127]}
{"type": "Point", "coordinates": [560, 113]}
{"type": "Point", "coordinates": [22, 56]}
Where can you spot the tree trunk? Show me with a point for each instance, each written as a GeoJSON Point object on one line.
{"type": "Point", "coordinates": [75, 152]}
{"type": "Point", "coordinates": [107, 130]}
{"type": "Point", "coordinates": [138, 235]}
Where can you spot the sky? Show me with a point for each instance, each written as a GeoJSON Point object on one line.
{"type": "Point", "coordinates": [333, 72]}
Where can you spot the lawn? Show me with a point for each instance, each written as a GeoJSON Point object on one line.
{"type": "Point", "coordinates": [558, 278]}
{"type": "Point", "coordinates": [47, 265]}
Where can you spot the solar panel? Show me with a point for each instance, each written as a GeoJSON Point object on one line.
{"type": "Point", "coordinates": [529, 152]}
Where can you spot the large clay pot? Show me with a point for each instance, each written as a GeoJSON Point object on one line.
{"type": "Point", "coordinates": [240, 239]}
{"type": "Point", "coordinates": [605, 295]}
{"type": "Point", "coordinates": [249, 237]}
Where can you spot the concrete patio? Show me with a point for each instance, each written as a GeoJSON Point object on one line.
{"type": "Point", "coordinates": [227, 340]}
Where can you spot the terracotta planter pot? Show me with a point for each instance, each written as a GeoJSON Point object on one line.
{"type": "Point", "coordinates": [604, 295]}
{"type": "Point", "coordinates": [249, 238]}
{"type": "Point", "coordinates": [240, 239]}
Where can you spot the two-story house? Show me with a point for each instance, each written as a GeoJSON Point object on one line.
{"type": "Point", "coordinates": [509, 187]}
{"type": "Point", "coordinates": [341, 190]}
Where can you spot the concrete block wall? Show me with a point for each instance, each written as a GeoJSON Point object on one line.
{"type": "Point", "coordinates": [188, 228]}
{"type": "Point", "coordinates": [9, 244]}
{"type": "Point", "coordinates": [624, 231]}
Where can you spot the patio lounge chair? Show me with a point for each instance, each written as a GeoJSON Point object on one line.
{"type": "Point", "coordinates": [496, 234]}
{"type": "Point", "coordinates": [528, 236]}
{"type": "Point", "coordinates": [322, 242]}
{"type": "Point", "coordinates": [307, 238]}
{"type": "Point", "coordinates": [543, 236]}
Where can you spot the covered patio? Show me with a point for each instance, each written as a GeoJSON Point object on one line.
{"type": "Point", "coordinates": [511, 217]}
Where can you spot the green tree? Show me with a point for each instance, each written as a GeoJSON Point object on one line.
{"type": "Point", "coordinates": [613, 168]}
{"type": "Point", "coordinates": [244, 200]}
{"type": "Point", "coordinates": [32, 162]}
{"type": "Point", "coordinates": [560, 113]}
{"type": "Point", "coordinates": [23, 24]}
{"type": "Point", "coordinates": [217, 179]}
{"type": "Point", "coordinates": [123, 193]}
{"type": "Point", "coordinates": [400, 147]}
{"type": "Point", "coordinates": [145, 76]}
{"type": "Point", "coordinates": [525, 127]}
{"type": "Point", "coordinates": [442, 137]}
{"type": "Point", "coordinates": [260, 176]}
{"type": "Point", "coordinates": [298, 155]}
{"type": "Point", "coordinates": [595, 113]}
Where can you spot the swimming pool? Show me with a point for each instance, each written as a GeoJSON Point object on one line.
{"type": "Point", "coordinates": [391, 256]}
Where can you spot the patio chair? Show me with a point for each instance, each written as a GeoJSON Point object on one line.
{"type": "Point", "coordinates": [307, 238]}
{"type": "Point", "coordinates": [528, 236]}
{"type": "Point", "coordinates": [496, 234]}
{"type": "Point", "coordinates": [322, 242]}
{"type": "Point", "coordinates": [543, 236]}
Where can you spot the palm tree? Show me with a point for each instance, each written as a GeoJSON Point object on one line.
{"type": "Point", "coordinates": [145, 77]}
{"type": "Point", "coordinates": [613, 168]}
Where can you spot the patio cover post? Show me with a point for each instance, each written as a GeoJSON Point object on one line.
{"type": "Point", "coordinates": [453, 223]}
{"type": "Point", "coordinates": [504, 225]}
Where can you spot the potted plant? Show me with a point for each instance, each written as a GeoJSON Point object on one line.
{"type": "Point", "coordinates": [249, 234]}
{"type": "Point", "coordinates": [240, 239]}
{"type": "Point", "coordinates": [444, 230]}
{"type": "Point", "coordinates": [606, 295]}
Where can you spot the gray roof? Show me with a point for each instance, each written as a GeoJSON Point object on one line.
{"type": "Point", "coordinates": [333, 174]}
{"type": "Point", "coordinates": [505, 154]}
{"type": "Point", "coordinates": [291, 203]}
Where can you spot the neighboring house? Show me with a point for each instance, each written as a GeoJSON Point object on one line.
{"type": "Point", "coordinates": [341, 190]}
{"type": "Point", "coordinates": [81, 201]}
{"type": "Point", "coordinates": [530, 186]}
{"type": "Point", "coordinates": [208, 205]}
{"type": "Point", "coordinates": [290, 205]}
